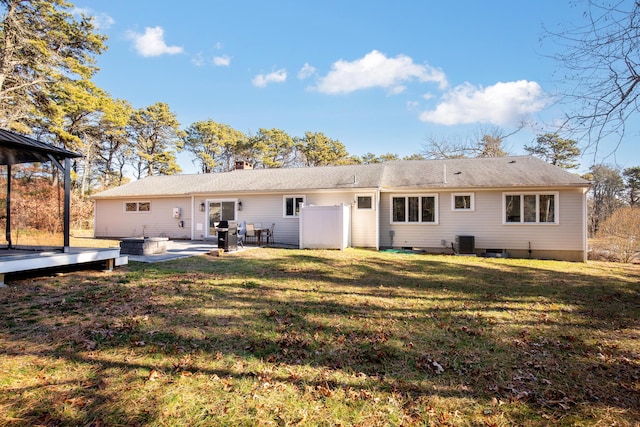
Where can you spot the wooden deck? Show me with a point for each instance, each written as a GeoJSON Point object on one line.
{"type": "Point", "coordinates": [19, 260]}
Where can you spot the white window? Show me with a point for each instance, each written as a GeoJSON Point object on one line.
{"type": "Point", "coordinates": [530, 208]}
{"type": "Point", "coordinates": [137, 207]}
{"type": "Point", "coordinates": [463, 202]}
{"type": "Point", "coordinates": [291, 206]}
{"type": "Point", "coordinates": [421, 208]}
{"type": "Point", "coordinates": [364, 202]}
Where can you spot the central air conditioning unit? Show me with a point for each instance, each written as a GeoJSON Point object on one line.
{"type": "Point", "coordinates": [465, 245]}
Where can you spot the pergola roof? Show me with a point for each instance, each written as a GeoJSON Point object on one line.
{"type": "Point", "coordinates": [16, 148]}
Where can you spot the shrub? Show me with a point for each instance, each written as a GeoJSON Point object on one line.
{"type": "Point", "coordinates": [619, 235]}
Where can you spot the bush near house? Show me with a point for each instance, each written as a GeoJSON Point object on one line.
{"type": "Point", "coordinates": [618, 238]}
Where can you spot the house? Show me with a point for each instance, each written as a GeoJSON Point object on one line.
{"type": "Point", "coordinates": [518, 205]}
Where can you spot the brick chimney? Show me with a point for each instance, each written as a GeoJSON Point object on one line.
{"type": "Point", "coordinates": [241, 165]}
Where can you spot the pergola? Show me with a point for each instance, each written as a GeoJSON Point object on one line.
{"type": "Point", "coordinates": [15, 149]}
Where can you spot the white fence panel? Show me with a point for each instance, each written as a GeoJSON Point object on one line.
{"type": "Point", "coordinates": [325, 227]}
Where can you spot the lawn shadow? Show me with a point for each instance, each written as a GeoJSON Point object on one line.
{"type": "Point", "coordinates": [414, 325]}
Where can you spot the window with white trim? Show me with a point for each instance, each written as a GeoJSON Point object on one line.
{"type": "Point", "coordinates": [291, 206]}
{"type": "Point", "coordinates": [463, 202]}
{"type": "Point", "coordinates": [137, 207]}
{"type": "Point", "coordinates": [414, 209]}
{"type": "Point", "coordinates": [220, 210]}
{"type": "Point", "coordinates": [530, 208]}
{"type": "Point", "coordinates": [364, 202]}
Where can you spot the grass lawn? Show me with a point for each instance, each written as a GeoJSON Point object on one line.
{"type": "Point", "coordinates": [354, 337]}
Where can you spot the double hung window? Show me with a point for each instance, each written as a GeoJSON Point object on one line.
{"type": "Point", "coordinates": [530, 208]}
{"type": "Point", "coordinates": [414, 209]}
{"type": "Point", "coordinates": [291, 206]}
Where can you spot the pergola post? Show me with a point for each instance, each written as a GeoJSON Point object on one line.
{"type": "Point", "coordinates": [67, 203]}
{"type": "Point", "coordinates": [66, 220]}
{"type": "Point", "coordinates": [8, 217]}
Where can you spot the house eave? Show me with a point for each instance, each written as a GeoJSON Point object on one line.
{"type": "Point", "coordinates": [237, 192]}
{"type": "Point", "coordinates": [447, 188]}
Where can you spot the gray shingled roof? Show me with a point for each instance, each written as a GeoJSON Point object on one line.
{"type": "Point", "coordinates": [492, 172]}
{"type": "Point", "coordinates": [501, 172]}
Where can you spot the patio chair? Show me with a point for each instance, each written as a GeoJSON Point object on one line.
{"type": "Point", "coordinates": [250, 232]}
{"type": "Point", "coordinates": [270, 233]}
{"type": "Point", "coordinates": [242, 231]}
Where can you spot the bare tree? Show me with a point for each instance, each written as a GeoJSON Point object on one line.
{"type": "Point", "coordinates": [619, 235]}
{"type": "Point", "coordinates": [485, 142]}
{"type": "Point", "coordinates": [436, 148]}
{"type": "Point", "coordinates": [602, 60]}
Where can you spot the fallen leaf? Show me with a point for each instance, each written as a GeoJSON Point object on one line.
{"type": "Point", "coordinates": [153, 375]}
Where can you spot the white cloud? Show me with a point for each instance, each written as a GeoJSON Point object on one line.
{"type": "Point", "coordinates": [500, 104]}
{"type": "Point", "coordinates": [306, 71]}
{"type": "Point", "coordinates": [102, 21]}
{"type": "Point", "coordinates": [262, 80]}
{"type": "Point", "coordinates": [197, 60]}
{"type": "Point", "coordinates": [376, 70]}
{"type": "Point", "coordinates": [412, 105]}
{"type": "Point", "coordinates": [396, 90]}
{"type": "Point", "coordinates": [222, 61]}
{"type": "Point", "coordinates": [152, 43]}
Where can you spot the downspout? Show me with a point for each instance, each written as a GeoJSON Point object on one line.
{"type": "Point", "coordinates": [193, 216]}
{"type": "Point", "coordinates": [378, 219]}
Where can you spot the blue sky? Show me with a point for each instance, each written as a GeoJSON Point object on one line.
{"type": "Point", "coordinates": [379, 76]}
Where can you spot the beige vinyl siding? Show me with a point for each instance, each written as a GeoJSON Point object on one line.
{"type": "Point", "coordinates": [111, 220]}
{"type": "Point", "coordinates": [486, 225]}
{"type": "Point", "coordinates": [257, 209]}
{"type": "Point", "coordinates": [363, 222]}
{"type": "Point", "coordinates": [425, 235]}
{"type": "Point", "coordinates": [364, 232]}
{"type": "Point", "coordinates": [267, 209]}
{"type": "Point", "coordinates": [567, 235]}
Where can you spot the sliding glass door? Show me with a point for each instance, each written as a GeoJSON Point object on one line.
{"type": "Point", "coordinates": [220, 210]}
